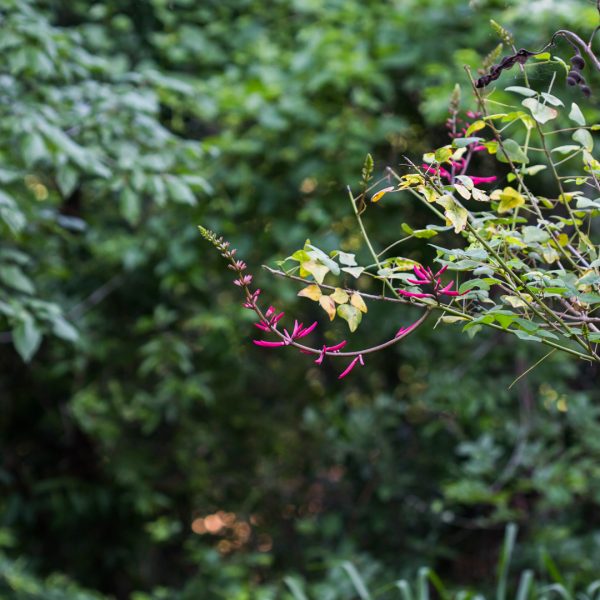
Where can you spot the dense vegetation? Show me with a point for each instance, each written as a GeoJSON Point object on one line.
{"type": "Point", "coordinates": [148, 450]}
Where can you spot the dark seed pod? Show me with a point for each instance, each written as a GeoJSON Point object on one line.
{"type": "Point", "coordinates": [571, 81]}
{"type": "Point", "coordinates": [577, 62]}
{"type": "Point", "coordinates": [575, 75]}
{"type": "Point", "coordinates": [585, 90]}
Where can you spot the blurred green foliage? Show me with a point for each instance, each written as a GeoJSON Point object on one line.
{"type": "Point", "coordinates": [133, 406]}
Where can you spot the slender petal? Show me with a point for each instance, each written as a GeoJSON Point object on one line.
{"type": "Point", "coordinates": [266, 344]}
{"type": "Point", "coordinates": [478, 180]}
{"type": "Point", "coordinates": [304, 332]}
{"type": "Point", "coordinates": [349, 367]}
{"type": "Point", "coordinates": [446, 289]}
{"type": "Point", "coordinates": [414, 294]}
{"type": "Point", "coordinates": [337, 347]}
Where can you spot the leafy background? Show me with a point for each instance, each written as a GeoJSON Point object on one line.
{"type": "Point", "coordinates": [136, 415]}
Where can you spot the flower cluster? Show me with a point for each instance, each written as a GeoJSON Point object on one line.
{"type": "Point", "coordinates": [426, 277]}
{"type": "Point", "coordinates": [269, 320]}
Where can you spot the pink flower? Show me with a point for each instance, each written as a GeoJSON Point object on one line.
{"type": "Point", "coordinates": [266, 344]}
{"type": "Point", "coordinates": [437, 171]}
{"type": "Point", "coordinates": [243, 280]}
{"type": "Point", "coordinates": [351, 366]}
{"type": "Point", "coordinates": [413, 294]}
{"type": "Point", "coordinates": [251, 300]}
{"type": "Point", "coordinates": [427, 277]}
{"type": "Point", "coordinates": [332, 349]}
{"type": "Point", "coordinates": [304, 332]}
{"type": "Point", "coordinates": [404, 330]}
{"type": "Point", "coordinates": [478, 180]}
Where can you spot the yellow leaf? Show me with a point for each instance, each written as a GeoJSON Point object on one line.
{"type": "Point", "coordinates": [339, 296]}
{"type": "Point", "coordinates": [315, 269]}
{"type": "Point", "coordinates": [430, 194]}
{"type": "Point", "coordinates": [410, 180]}
{"type": "Point", "coordinates": [443, 154]}
{"type": "Point", "coordinates": [455, 214]}
{"type": "Point", "coordinates": [313, 292]}
{"type": "Point", "coordinates": [516, 301]}
{"type": "Point", "coordinates": [473, 127]}
{"type": "Point", "coordinates": [376, 197]}
{"type": "Point", "coordinates": [328, 305]}
{"type": "Point", "coordinates": [357, 301]}
{"type": "Point", "coordinates": [509, 199]}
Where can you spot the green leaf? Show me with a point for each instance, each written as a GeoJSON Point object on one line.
{"type": "Point", "coordinates": [33, 149]}
{"type": "Point", "coordinates": [13, 276]}
{"type": "Point", "coordinates": [465, 141]}
{"type": "Point", "coordinates": [26, 338]}
{"type": "Point", "coordinates": [64, 330]}
{"type": "Point", "coordinates": [130, 206]}
{"type": "Point", "coordinates": [356, 272]}
{"type": "Point", "coordinates": [320, 256]}
{"type": "Point", "coordinates": [550, 99]}
{"type": "Point", "coordinates": [576, 115]}
{"type": "Point", "coordinates": [511, 151]}
{"type": "Point", "coordinates": [584, 137]}
{"type": "Point", "coordinates": [424, 233]}
{"type": "Point", "coordinates": [566, 149]}
{"type": "Point", "coordinates": [517, 89]}
{"type": "Point", "coordinates": [357, 581]}
{"type": "Point", "coordinates": [179, 191]}
{"type": "Point", "coordinates": [346, 259]}
{"type": "Point", "coordinates": [350, 314]}
{"type": "Point", "coordinates": [540, 112]}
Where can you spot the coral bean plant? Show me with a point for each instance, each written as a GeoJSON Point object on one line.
{"type": "Point", "coordinates": [522, 263]}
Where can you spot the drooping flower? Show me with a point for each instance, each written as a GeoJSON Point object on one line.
{"type": "Point", "coordinates": [351, 366]}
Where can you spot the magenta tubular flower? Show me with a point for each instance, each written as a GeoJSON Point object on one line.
{"type": "Point", "coordinates": [478, 180]}
{"type": "Point", "coordinates": [333, 349]}
{"type": "Point", "coordinates": [446, 289]}
{"type": "Point", "coordinates": [263, 326]}
{"type": "Point", "coordinates": [413, 294]}
{"type": "Point", "coordinates": [441, 271]}
{"type": "Point", "coordinates": [306, 330]}
{"type": "Point", "coordinates": [277, 318]}
{"type": "Point", "coordinates": [418, 281]}
{"type": "Point", "coordinates": [351, 366]}
{"type": "Point", "coordinates": [421, 273]}
{"type": "Point", "coordinates": [439, 171]}
{"type": "Point", "coordinates": [266, 344]}
{"type": "Point", "coordinates": [406, 329]}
